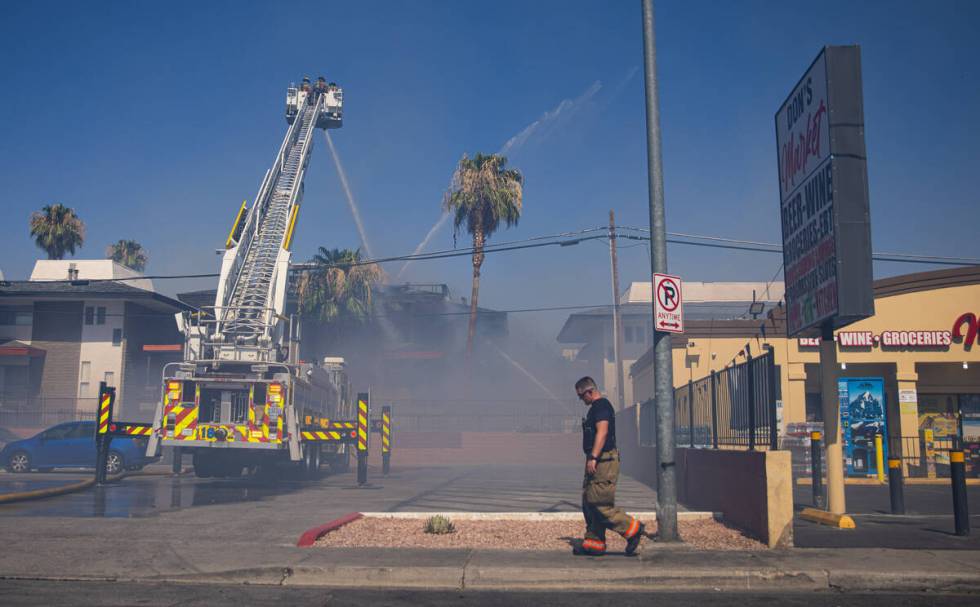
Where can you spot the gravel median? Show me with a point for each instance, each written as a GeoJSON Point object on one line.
{"type": "Point", "coordinates": [705, 534]}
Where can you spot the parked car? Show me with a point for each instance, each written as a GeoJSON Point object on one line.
{"type": "Point", "coordinates": [72, 445]}
{"type": "Point", "coordinates": [6, 436]}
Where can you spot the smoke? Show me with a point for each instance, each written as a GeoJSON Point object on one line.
{"type": "Point", "coordinates": [537, 130]}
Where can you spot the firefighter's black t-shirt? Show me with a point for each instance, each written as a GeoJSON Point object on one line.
{"type": "Point", "coordinates": [600, 410]}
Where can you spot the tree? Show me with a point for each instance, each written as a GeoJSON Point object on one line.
{"type": "Point", "coordinates": [128, 253]}
{"type": "Point", "coordinates": [338, 290]}
{"type": "Point", "coordinates": [57, 230]}
{"type": "Point", "coordinates": [483, 193]}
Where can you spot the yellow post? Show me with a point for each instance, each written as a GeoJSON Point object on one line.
{"type": "Point", "coordinates": [879, 459]}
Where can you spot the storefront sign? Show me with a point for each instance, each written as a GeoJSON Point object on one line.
{"type": "Point", "coordinates": [824, 194]}
{"type": "Point", "coordinates": [969, 319]}
{"type": "Point", "coordinates": [964, 329]}
{"type": "Point", "coordinates": [888, 339]}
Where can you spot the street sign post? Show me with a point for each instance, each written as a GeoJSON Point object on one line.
{"type": "Point", "coordinates": [668, 309]}
{"type": "Point", "coordinates": [823, 202]}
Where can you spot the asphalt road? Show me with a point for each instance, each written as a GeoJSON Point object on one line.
{"type": "Point", "coordinates": [927, 524]}
{"type": "Point", "coordinates": [16, 593]}
{"type": "Point", "coordinates": [486, 489]}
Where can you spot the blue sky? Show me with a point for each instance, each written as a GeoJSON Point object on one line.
{"type": "Point", "coordinates": [155, 120]}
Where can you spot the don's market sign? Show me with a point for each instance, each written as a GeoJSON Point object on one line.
{"type": "Point", "coordinates": [823, 195]}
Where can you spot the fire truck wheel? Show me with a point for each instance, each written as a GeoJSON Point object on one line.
{"type": "Point", "coordinates": [311, 460]}
{"type": "Point", "coordinates": [340, 462]}
{"type": "Point", "coordinates": [202, 466]}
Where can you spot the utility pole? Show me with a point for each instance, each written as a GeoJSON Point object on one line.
{"type": "Point", "coordinates": [617, 318]}
{"type": "Point", "coordinates": [662, 361]}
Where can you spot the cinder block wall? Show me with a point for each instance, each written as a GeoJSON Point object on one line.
{"type": "Point", "coordinates": [752, 489]}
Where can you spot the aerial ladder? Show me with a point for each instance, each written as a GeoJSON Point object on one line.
{"type": "Point", "coordinates": [241, 396]}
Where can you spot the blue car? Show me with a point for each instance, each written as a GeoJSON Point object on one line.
{"type": "Point", "coordinates": [72, 445]}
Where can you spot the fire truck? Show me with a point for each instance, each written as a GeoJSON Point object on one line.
{"type": "Point", "coordinates": [241, 397]}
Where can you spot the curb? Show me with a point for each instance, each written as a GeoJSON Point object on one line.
{"type": "Point", "coordinates": [529, 516]}
{"type": "Point", "coordinates": [471, 577]}
{"type": "Point", "coordinates": [310, 536]}
{"type": "Point", "coordinates": [841, 521]}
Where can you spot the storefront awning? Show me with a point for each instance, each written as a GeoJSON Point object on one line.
{"type": "Point", "coordinates": [19, 348]}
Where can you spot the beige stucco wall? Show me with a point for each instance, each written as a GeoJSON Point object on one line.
{"type": "Point", "coordinates": [97, 350]}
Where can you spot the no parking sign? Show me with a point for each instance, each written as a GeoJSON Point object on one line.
{"type": "Point", "coordinates": [668, 311]}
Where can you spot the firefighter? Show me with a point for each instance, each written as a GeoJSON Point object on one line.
{"type": "Point", "coordinates": [308, 89]}
{"type": "Point", "coordinates": [601, 475]}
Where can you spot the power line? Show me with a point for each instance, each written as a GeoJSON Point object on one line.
{"type": "Point", "coordinates": [776, 248]}
{"type": "Point", "coordinates": [535, 242]}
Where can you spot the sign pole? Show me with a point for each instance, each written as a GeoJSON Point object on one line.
{"type": "Point", "coordinates": [831, 421]}
{"type": "Point", "coordinates": [663, 363]}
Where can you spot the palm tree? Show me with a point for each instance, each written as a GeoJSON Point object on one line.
{"type": "Point", "coordinates": [57, 230]}
{"type": "Point", "coordinates": [128, 253]}
{"type": "Point", "coordinates": [338, 290]}
{"type": "Point", "coordinates": [483, 193]}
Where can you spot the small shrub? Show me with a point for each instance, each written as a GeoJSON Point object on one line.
{"type": "Point", "coordinates": [439, 525]}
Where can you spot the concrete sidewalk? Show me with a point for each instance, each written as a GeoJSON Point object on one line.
{"type": "Point", "coordinates": [658, 568]}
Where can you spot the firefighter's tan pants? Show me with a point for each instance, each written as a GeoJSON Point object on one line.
{"type": "Point", "coordinates": [599, 500]}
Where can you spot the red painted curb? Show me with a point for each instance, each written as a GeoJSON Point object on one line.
{"type": "Point", "coordinates": [310, 536]}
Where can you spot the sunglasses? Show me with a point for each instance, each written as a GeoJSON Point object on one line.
{"type": "Point", "coordinates": [581, 395]}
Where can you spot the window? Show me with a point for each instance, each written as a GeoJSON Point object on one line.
{"type": "Point", "coordinates": [81, 430]}
{"type": "Point", "coordinates": [100, 315]}
{"type": "Point", "coordinates": [89, 315]}
{"type": "Point", "coordinates": [84, 390]}
{"type": "Point", "coordinates": [110, 378]}
{"type": "Point", "coordinates": [13, 317]}
{"type": "Point", "coordinates": [86, 372]}
{"type": "Point", "coordinates": [58, 432]}
{"type": "Point", "coordinates": [117, 337]}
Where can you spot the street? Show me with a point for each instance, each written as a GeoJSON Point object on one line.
{"type": "Point", "coordinates": [927, 524]}
{"type": "Point", "coordinates": [17, 593]}
{"type": "Point", "coordinates": [473, 489]}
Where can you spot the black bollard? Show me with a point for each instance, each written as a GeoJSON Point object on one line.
{"type": "Point", "coordinates": [362, 461]}
{"type": "Point", "coordinates": [957, 477]}
{"type": "Point", "coordinates": [386, 464]}
{"type": "Point", "coordinates": [816, 469]}
{"type": "Point", "coordinates": [178, 463]}
{"type": "Point", "coordinates": [101, 458]}
{"type": "Point", "coordinates": [896, 488]}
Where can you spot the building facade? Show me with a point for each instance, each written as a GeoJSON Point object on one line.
{"type": "Point", "coordinates": [919, 350]}
{"type": "Point", "coordinates": [70, 327]}
{"type": "Point", "coordinates": [589, 335]}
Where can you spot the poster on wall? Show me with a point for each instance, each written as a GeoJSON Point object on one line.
{"type": "Point", "coordinates": [862, 410]}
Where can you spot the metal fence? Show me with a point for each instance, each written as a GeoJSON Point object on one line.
{"type": "Point", "coordinates": [734, 407]}
{"type": "Point", "coordinates": [923, 458]}
{"type": "Point", "coordinates": [24, 418]}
